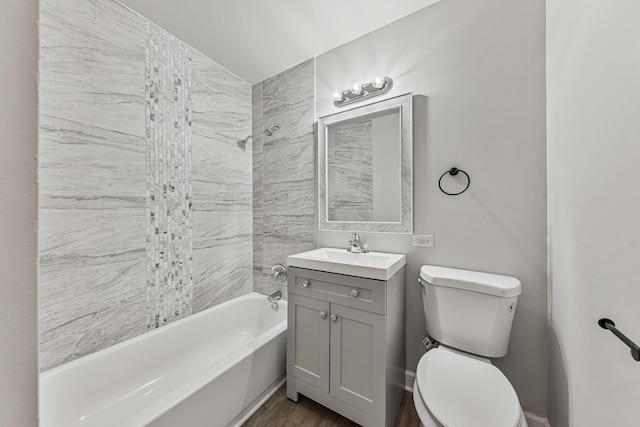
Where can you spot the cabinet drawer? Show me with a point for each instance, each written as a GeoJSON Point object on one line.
{"type": "Point", "coordinates": [357, 292]}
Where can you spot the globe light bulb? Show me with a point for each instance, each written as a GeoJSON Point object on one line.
{"type": "Point", "coordinates": [337, 96]}
{"type": "Point", "coordinates": [378, 82]}
{"type": "Point", "coordinates": [356, 89]}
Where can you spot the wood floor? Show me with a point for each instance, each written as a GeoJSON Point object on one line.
{"type": "Point", "coordinates": [279, 411]}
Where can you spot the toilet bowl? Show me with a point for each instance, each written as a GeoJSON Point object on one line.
{"type": "Point", "coordinates": [456, 390]}
{"type": "Point", "coordinates": [470, 314]}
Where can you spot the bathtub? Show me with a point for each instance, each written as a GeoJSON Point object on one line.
{"type": "Point", "coordinates": [213, 368]}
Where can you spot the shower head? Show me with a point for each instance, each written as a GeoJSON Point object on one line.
{"type": "Point", "coordinates": [270, 131]}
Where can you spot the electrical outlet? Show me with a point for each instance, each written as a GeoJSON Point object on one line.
{"type": "Point", "coordinates": [423, 240]}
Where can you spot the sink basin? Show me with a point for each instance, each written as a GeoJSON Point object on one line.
{"type": "Point", "coordinates": [372, 265]}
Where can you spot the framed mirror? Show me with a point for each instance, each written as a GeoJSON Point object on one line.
{"type": "Point", "coordinates": [365, 168]}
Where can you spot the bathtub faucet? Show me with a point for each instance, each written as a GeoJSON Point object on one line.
{"type": "Point", "coordinates": [277, 295]}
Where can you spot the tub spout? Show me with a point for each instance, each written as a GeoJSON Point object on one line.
{"type": "Point", "coordinates": [277, 295]}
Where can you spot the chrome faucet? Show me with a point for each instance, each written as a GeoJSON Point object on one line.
{"type": "Point", "coordinates": [274, 297]}
{"type": "Point", "coordinates": [355, 246]}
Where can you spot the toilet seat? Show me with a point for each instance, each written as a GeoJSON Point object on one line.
{"type": "Point", "coordinates": [461, 391]}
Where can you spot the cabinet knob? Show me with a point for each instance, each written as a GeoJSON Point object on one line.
{"type": "Point", "coordinates": [354, 293]}
{"type": "Point", "coordinates": [323, 315]}
{"type": "Point", "coordinates": [305, 284]}
{"type": "Point", "coordinates": [334, 318]}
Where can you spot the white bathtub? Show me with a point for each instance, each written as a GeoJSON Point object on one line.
{"type": "Point", "coordinates": [210, 369]}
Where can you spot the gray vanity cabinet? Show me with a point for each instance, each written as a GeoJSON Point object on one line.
{"type": "Point", "coordinates": [357, 358]}
{"type": "Point", "coordinates": [345, 343]}
{"type": "Point", "coordinates": [309, 351]}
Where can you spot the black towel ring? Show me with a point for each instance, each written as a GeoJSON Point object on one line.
{"type": "Point", "coordinates": [454, 172]}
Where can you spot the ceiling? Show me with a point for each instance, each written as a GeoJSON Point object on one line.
{"type": "Point", "coordinates": [256, 39]}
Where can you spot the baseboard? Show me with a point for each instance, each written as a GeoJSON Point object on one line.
{"type": "Point", "coordinates": [409, 378]}
{"type": "Point", "coordinates": [536, 421]}
{"type": "Point", "coordinates": [257, 403]}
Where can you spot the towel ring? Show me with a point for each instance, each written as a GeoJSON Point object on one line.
{"type": "Point", "coordinates": [454, 172]}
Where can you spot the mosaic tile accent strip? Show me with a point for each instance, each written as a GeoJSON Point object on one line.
{"type": "Point", "coordinates": [168, 169]}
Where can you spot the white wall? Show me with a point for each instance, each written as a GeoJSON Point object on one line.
{"type": "Point", "coordinates": [480, 66]}
{"type": "Point", "coordinates": [18, 212]}
{"type": "Point", "coordinates": [593, 122]}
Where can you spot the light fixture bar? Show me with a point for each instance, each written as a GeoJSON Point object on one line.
{"type": "Point", "coordinates": [368, 90]}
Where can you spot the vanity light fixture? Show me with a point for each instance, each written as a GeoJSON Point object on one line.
{"type": "Point", "coordinates": [377, 86]}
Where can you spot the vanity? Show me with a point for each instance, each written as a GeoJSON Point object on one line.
{"type": "Point", "coordinates": [346, 333]}
{"type": "Point", "coordinates": [346, 307]}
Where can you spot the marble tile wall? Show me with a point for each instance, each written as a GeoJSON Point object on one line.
{"type": "Point", "coordinates": [261, 277]}
{"type": "Point", "coordinates": [93, 214]}
{"type": "Point", "coordinates": [92, 228]}
{"type": "Point", "coordinates": [221, 174]}
{"type": "Point", "coordinates": [284, 188]}
{"type": "Point", "coordinates": [350, 179]}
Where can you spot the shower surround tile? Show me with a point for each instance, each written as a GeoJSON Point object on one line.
{"type": "Point", "coordinates": [284, 197]}
{"type": "Point", "coordinates": [90, 311]}
{"type": "Point", "coordinates": [222, 147]}
{"type": "Point", "coordinates": [91, 175]}
{"type": "Point", "coordinates": [95, 180]}
{"type": "Point", "coordinates": [260, 278]}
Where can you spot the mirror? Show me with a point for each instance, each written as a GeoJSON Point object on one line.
{"type": "Point", "coordinates": [365, 168]}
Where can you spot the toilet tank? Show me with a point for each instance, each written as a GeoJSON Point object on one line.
{"type": "Point", "coordinates": [469, 310]}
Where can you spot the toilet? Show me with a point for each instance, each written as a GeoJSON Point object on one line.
{"type": "Point", "coordinates": [470, 314]}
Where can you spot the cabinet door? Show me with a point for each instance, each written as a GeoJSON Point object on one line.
{"type": "Point", "coordinates": [358, 358]}
{"type": "Point", "coordinates": [308, 341]}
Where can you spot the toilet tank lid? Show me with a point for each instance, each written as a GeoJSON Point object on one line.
{"type": "Point", "coordinates": [486, 283]}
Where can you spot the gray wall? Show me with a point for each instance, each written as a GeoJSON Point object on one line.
{"type": "Point", "coordinates": [145, 179]}
{"type": "Point", "coordinates": [18, 213]}
{"type": "Point", "coordinates": [481, 67]}
{"type": "Point", "coordinates": [283, 171]}
{"type": "Point", "coordinates": [558, 397]}
{"type": "Point", "coordinates": [387, 176]}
